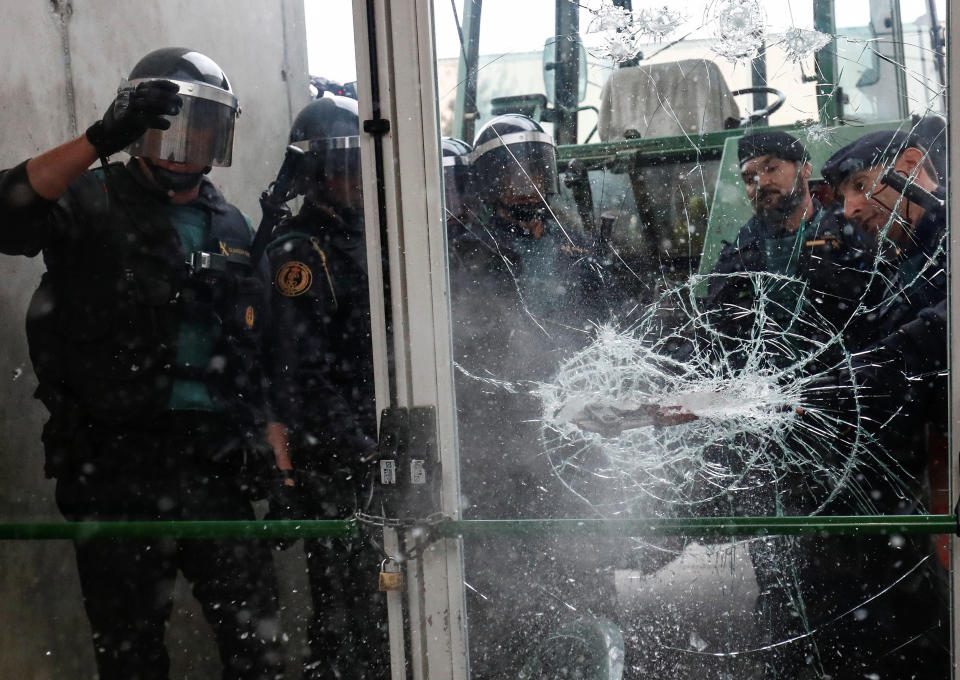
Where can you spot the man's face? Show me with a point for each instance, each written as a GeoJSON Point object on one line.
{"type": "Point", "coordinates": [522, 201]}
{"type": "Point", "coordinates": [343, 190]}
{"type": "Point", "coordinates": [874, 205]}
{"type": "Point", "coordinates": [775, 187]}
{"type": "Point", "coordinates": [173, 166]}
{"type": "Point", "coordinates": [523, 189]}
{"type": "Point", "coordinates": [180, 181]}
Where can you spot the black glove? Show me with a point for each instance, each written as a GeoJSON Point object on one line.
{"type": "Point", "coordinates": [286, 502]}
{"type": "Point", "coordinates": [132, 113]}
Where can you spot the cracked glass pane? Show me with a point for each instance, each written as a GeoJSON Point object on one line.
{"type": "Point", "coordinates": [697, 261]}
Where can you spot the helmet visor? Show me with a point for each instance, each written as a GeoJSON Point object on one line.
{"type": "Point", "coordinates": [456, 175]}
{"type": "Point", "coordinates": [517, 165]}
{"type": "Point", "coordinates": [334, 156]}
{"type": "Point", "coordinates": [201, 134]}
{"type": "Point", "coordinates": [332, 173]}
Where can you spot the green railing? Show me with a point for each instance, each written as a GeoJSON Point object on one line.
{"type": "Point", "coordinates": [654, 150]}
{"type": "Point", "coordinates": [693, 527]}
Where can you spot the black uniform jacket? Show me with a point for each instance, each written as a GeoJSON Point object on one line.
{"type": "Point", "coordinates": [321, 352]}
{"type": "Point", "coordinates": [835, 262]}
{"type": "Point", "coordinates": [104, 324]}
{"type": "Point", "coordinates": [904, 371]}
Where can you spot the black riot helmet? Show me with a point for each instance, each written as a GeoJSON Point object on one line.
{"type": "Point", "coordinates": [328, 130]}
{"type": "Point", "coordinates": [455, 157]}
{"type": "Point", "coordinates": [202, 133]}
{"type": "Point", "coordinates": [514, 160]}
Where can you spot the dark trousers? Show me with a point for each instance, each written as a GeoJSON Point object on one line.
{"type": "Point", "coordinates": [347, 633]}
{"type": "Point", "coordinates": [851, 607]}
{"type": "Point", "coordinates": [184, 467]}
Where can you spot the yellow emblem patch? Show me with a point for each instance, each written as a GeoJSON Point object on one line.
{"type": "Point", "coordinates": [250, 317]}
{"type": "Point", "coordinates": [294, 278]}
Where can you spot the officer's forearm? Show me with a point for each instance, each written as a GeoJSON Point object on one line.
{"type": "Point", "coordinates": [277, 438]}
{"type": "Point", "coordinates": [52, 172]}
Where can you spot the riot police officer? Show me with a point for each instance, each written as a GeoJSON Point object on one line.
{"type": "Point", "coordinates": [457, 189]}
{"type": "Point", "coordinates": [523, 292]}
{"type": "Point", "coordinates": [515, 166]}
{"type": "Point", "coordinates": [792, 234]}
{"type": "Point", "coordinates": [322, 386]}
{"type": "Point", "coordinates": [890, 188]}
{"type": "Point", "coordinates": [145, 337]}
{"type": "Point", "coordinates": [888, 301]}
{"type": "Point", "coordinates": [905, 357]}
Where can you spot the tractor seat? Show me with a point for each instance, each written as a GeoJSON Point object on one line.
{"type": "Point", "coordinates": [663, 100]}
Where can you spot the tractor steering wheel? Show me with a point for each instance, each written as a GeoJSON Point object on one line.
{"type": "Point", "coordinates": [763, 114]}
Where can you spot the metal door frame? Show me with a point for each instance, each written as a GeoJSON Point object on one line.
{"type": "Point", "coordinates": [403, 187]}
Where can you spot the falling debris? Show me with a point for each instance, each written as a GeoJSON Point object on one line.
{"type": "Point", "coordinates": [697, 642]}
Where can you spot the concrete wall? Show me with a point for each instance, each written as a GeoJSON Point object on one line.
{"type": "Point", "coordinates": [62, 61]}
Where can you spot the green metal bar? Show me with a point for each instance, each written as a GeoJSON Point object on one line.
{"type": "Point", "coordinates": [691, 526]}
{"type": "Point", "coordinates": [653, 147]}
{"type": "Point", "coordinates": [27, 531]}
{"type": "Point", "coordinates": [678, 148]}
{"type": "Point", "coordinates": [709, 526]}
{"type": "Point", "coordinates": [464, 110]}
{"type": "Point", "coordinates": [831, 109]}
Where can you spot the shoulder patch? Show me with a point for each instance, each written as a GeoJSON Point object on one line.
{"type": "Point", "coordinates": [293, 278]}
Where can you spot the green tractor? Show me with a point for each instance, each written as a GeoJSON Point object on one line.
{"type": "Point", "coordinates": [647, 138]}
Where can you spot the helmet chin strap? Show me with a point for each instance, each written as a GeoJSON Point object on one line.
{"type": "Point", "coordinates": [174, 182]}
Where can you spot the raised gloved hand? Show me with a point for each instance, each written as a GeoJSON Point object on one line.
{"type": "Point", "coordinates": [133, 112]}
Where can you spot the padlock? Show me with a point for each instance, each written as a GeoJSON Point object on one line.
{"type": "Point", "coordinates": [391, 578]}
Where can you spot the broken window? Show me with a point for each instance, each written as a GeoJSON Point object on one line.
{"type": "Point", "coordinates": [670, 303]}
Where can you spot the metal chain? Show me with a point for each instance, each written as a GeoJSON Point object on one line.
{"type": "Point", "coordinates": [404, 525]}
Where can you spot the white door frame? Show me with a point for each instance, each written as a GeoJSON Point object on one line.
{"type": "Point", "coordinates": [420, 335]}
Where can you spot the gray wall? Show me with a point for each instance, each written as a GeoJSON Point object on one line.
{"type": "Point", "coordinates": [62, 62]}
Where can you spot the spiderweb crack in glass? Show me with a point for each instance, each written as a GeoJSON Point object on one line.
{"type": "Point", "coordinates": [610, 17]}
{"type": "Point", "coordinates": [621, 31]}
{"type": "Point", "coordinates": [691, 409]}
{"type": "Point", "coordinates": [616, 47]}
{"type": "Point", "coordinates": [745, 394]}
{"type": "Point", "coordinates": [739, 30]}
{"type": "Point", "coordinates": [801, 43]}
{"type": "Point", "coordinates": [659, 21]}
{"type": "Point", "coordinates": [817, 133]}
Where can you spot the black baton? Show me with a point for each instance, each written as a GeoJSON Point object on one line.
{"type": "Point", "coordinates": [911, 191]}
{"type": "Point", "coordinates": [273, 202]}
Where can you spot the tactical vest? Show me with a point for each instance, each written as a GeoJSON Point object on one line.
{"type": "Point", "coordinates": [103, 325]}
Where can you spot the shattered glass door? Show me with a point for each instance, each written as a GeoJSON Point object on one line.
{"type": "Point", "coordinates": [728, 302]}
